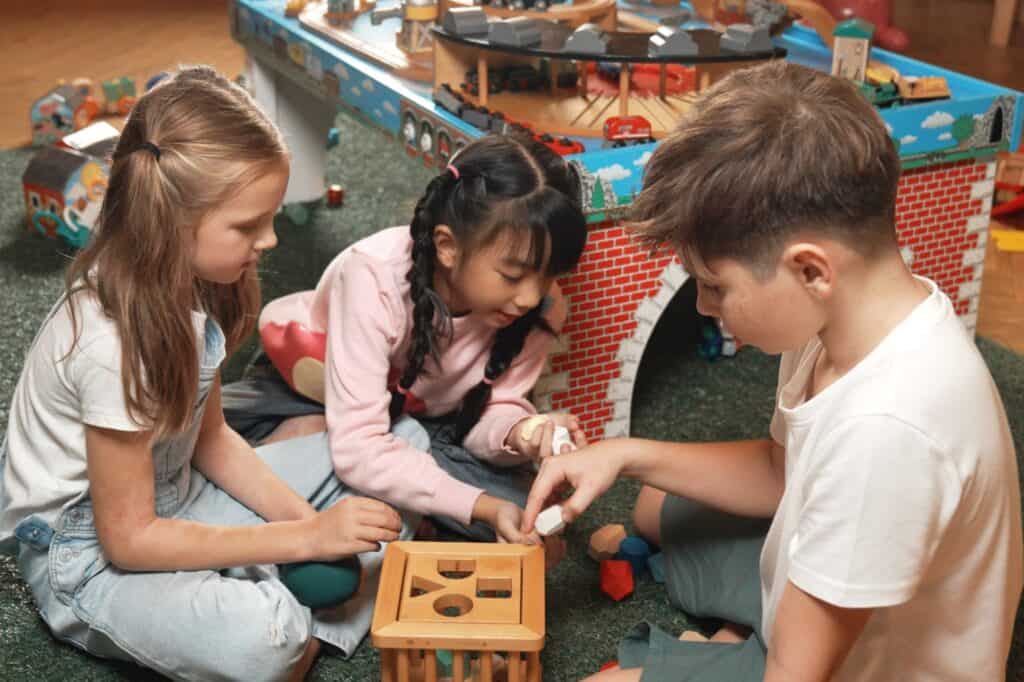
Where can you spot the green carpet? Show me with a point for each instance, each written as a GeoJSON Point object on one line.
{"type": "Point", "coordinates": [679, 397]}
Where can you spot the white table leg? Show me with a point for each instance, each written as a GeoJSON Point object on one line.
{"type": "Point", "coordinates": [304, 120]}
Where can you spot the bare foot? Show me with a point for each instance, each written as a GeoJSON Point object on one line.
{"type": "Point", "coordinates": [692, 636]}
{"type": "Point", "coordinates": [296, 426]}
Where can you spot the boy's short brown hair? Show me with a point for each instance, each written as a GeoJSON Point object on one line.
{"type": "Point", "coordinates": [767, 152]}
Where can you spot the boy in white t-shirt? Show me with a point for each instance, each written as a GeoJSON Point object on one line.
{"type": "Point", "coordinates": [889, 486]}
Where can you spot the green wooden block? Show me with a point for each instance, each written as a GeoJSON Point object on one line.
{"type": "Point", "coordinates": [320, 584]}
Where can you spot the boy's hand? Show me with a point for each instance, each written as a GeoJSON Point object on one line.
{"type": "Point", "coordinates": [533, 436]}
{"type": "Point", "coordinates": [352, 526]}
{"type": "Point", "coordinates": [591, 472]}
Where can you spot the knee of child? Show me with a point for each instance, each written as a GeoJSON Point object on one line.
{"type": "Point", "coordinates": [413, 432]}
{"type": "Point", "coordinates": [273, 640]}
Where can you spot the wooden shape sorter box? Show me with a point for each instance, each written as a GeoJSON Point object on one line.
{"type": "Point", "coordinates": [483, 603]}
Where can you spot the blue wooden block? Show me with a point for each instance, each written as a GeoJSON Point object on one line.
{"type": "Point", "coordinates": [635, 550]}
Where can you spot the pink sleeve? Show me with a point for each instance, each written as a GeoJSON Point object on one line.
{"type": "Point", "coordinates": [508, 404]}
{"type": "Point", "coordinates": [363, 323]}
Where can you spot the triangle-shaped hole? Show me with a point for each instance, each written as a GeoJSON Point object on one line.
{"type": "Point", "coordinates": [422, 586]}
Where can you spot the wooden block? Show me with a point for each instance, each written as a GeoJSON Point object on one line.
{"type": "Point", "coordinates": [550, 520]}
{"type": "Point", "coordinates": [605, 541]}
{"type": "Point", "coordinates": [561, 439]}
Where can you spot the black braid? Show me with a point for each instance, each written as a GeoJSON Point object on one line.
{"type": "Point", "coordinates": [431, 318]}
{"type": "Point", "coordinates": [508, 343]}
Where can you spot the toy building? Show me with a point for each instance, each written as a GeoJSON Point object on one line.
{"type": "Point", "coordinates": [852, 49]}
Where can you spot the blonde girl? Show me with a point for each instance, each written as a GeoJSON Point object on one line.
{"type": "Point", "coordinates": [127, 494]}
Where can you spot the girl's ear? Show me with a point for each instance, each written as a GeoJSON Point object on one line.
{"type": "Point", "coordinates": [446, 246]}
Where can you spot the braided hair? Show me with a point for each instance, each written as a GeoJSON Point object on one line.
{"type": "Point", "coordinates": [497, 185]}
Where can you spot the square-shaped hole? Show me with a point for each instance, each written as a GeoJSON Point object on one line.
{"type": "Point", "coordinates": [494, 588]}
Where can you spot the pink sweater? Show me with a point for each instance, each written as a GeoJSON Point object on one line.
{"type": "Point", "coordinates": [362, 303]}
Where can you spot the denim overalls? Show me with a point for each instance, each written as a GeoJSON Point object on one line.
{"type": "Point", "coordinates": [239, 624]}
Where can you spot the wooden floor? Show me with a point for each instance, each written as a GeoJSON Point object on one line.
{"type": "Point", "coordinates": [103, 39]}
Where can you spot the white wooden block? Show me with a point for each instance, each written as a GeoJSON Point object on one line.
{"type": "Point", "coordinates": [561, 438]}
{"type": "Point", "coordinates": [550, 520]}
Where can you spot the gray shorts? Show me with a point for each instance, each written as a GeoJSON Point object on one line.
{"type": "Point", "coordinates": [711, 571]}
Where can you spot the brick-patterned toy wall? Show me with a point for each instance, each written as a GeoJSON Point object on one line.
{"type": "Point", "coordinates": [618, 292]}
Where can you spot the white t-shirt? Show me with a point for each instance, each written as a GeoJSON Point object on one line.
{"type": "Point", "coordinates": [56, 397]}
{"type": "Point", "coordinates": [902, 495]}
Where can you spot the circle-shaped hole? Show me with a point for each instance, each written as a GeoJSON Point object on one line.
{"type": "Point", "coordinates": [453, 605]}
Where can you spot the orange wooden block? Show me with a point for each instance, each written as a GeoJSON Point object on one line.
{"type": "Point", "coordinates": [462, 597]}
{"type": "Point", "coordinates": [605, 541]}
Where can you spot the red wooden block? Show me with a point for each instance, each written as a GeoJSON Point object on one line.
{"type": "Point", "coordinates": [335, 196]}
{"type": "Point", "coordinates": [616, 578]}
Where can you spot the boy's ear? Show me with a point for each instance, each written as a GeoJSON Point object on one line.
{"type": "Point", "coordinates": [812, 266]}
{"type": "Point", "coordinates": [446, 245]}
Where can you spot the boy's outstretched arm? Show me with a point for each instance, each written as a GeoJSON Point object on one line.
{"type": "Point", "coordinates": [811, 638]}
{"type": "Point", "coordinates": [742, 477]}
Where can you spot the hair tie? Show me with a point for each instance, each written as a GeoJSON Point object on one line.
{"type": "Point", "coordinates": [401, 389]}
{"type": "Point", "coordinates": [453, 170]}
{"type": "Point", "coordinates": [151, 148]}
{"type": "Point", "coordinates": [487, 380]}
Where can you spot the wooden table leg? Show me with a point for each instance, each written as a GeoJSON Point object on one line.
{"type": "Point", "coordinates": [1004, 16]}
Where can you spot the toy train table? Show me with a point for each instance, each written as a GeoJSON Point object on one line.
{"type": "Point", "coordinates": [600, 82]}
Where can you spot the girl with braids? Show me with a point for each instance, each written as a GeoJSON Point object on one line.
{"type": "Point", "coordinates": [124, 491]}
{"type": "Point", "coordinates": [450, 320]}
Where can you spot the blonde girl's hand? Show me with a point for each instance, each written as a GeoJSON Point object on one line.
{"type": "Point", "coordinates": [352, 526]}
{"type": "Point", "coordinates": [534, 436]}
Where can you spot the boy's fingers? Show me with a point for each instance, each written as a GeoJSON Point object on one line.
{"type": "Point", "coordinates": [578, 503]}
{"type": "Point", "coordinates": [547, 479]}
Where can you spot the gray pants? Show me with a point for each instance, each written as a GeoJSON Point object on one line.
{"type": "Point", "coordinates": [711, 571]}
{"type": "Point", "coordinates": [257, 405]}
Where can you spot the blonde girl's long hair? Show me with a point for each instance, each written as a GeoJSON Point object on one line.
{"type": "Point", "coordinates": [213, 140]}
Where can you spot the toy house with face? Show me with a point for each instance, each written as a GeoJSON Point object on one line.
{"type": "Point", "coordinates": [64, 188]}
{"type": "Point", "coordinates": [852, 49]}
